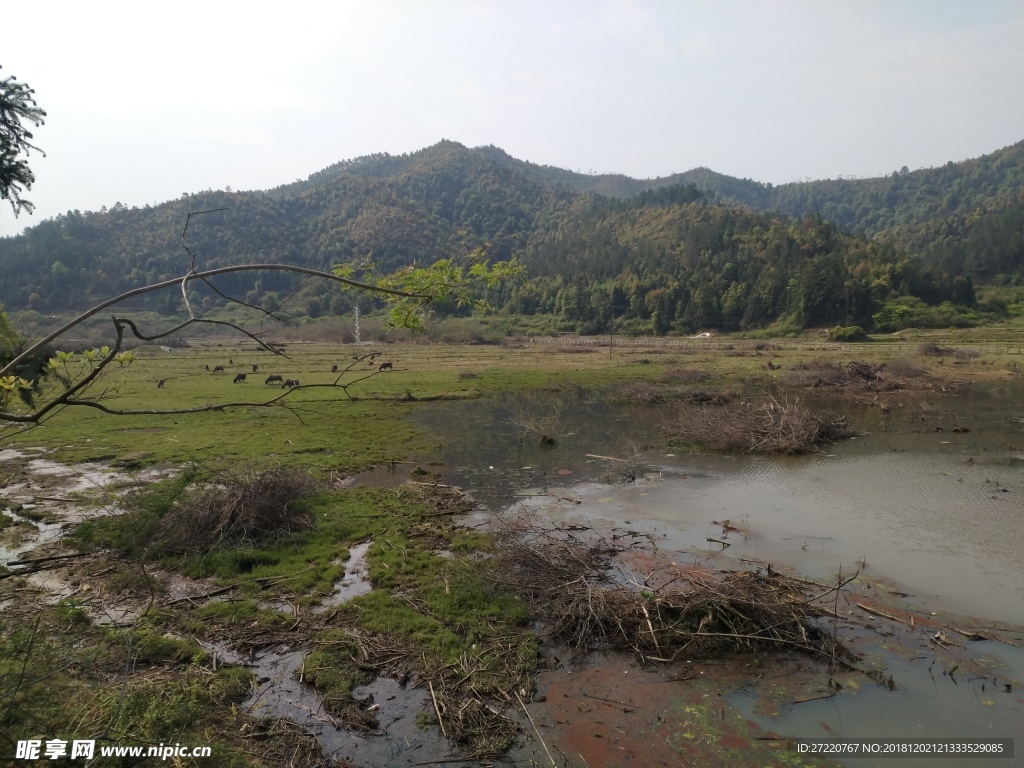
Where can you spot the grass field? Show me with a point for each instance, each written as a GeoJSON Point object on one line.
{"type": "Point", "coordinates": [324, 428]}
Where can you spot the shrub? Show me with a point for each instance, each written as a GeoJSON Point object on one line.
{"type": "Point", "coordinates": [848, 333]}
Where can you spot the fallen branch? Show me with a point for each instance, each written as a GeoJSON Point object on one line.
{"type": "Point", "coordinates": [883, 614]}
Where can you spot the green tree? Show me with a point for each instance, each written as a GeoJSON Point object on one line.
{"type": "Point", "coordinates": [17, 108]}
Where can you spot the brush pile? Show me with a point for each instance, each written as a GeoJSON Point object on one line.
{"type": "Point", "coordinates": [248, 507]}
{"type": "Point", "coordinates": [771, 426]}
{"type": "Point", "coordinates": [570, 579]}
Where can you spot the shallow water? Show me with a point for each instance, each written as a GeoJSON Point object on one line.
{"type": "Point", "coordinates": [919, 508]}
{"type": "Point", "coordinates": [398, 740]}
{"type": "Point", "coordinates": [929, 703]}
{"type": "Point", "coordinates": [938, 513]}
{"type": "Point", "coordinates": [931, 512]}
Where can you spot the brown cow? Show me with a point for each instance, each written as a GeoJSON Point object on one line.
{"type": "Point", "coordinates": [385, 366]}
{"type": "Point", "coordinates": [218, 369]}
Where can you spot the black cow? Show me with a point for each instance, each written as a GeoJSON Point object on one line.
{"type": "Point", "coordinates": [230, 361]}
{"type": "Point", "coordinates": [207, 367]}
{"type": "Point", "coordinates": [274, 377]}
{"type": "Point", "coordinates": [290, 383]}
{"type": "Point", "coordinates": [385, 366]}
{"type": "Point", "coordinates": [160, 383]}
{"type": "Point", "coordinates": [255, 368]}
{"type": "Point", "coordinates": [334, 368]}
{"type": "Point", "coordinates": [239, 378]}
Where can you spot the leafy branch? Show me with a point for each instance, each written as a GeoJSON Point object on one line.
{"type": "Point", "coordinates": [73, 380]}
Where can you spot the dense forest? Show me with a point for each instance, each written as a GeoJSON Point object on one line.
{"type": "Point", "coordinates": [684, 253]}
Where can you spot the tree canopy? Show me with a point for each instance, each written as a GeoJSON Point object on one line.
{"type": "Point", "coordinates": [18, 108]}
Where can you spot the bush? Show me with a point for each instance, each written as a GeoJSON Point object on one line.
{"type": "Point", "coordinates": [191, 516]}
{"type": "Point", "coordinates": [848, 333]}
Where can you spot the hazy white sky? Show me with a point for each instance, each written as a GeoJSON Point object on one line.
{"type": "Point", "coordinates": [150, 100]}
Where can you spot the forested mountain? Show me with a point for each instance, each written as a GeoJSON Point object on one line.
{"type": "Point", "coordinates": [691, 251]}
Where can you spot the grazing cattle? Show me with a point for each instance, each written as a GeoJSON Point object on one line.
{"type": "Point", "coordinates": [230, 361]}
{"type": "Point", "coordinates": [239, 378]}
{"type": "Point", "coordinates": [274, 377]}
{"type": "Point", "coordinates": [290, 383]}
{"type": "Point", "coordinates": [334, 368]}
{"type": "Point", "coordinates": [255, 367]}
{"type": "Point", "coordinates": [218, 369]}
{"type": "Point", "coordinates": [207, 367]}
{"type": "Point", "coordinates": [385, 366]}
{"type": "Point", "coordinates": [160, 383]}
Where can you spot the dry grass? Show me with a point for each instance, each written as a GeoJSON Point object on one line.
{"type": "Point", "coordinates": [569, 578]}
{"type": "Point", "coordinates": [648, 393]}
{"type": "Point", "coordinates": [904, 368]}
{"type": "Point", "coordinates": [934, 350]}
{"type": "Point", "coordinates": [772, 426]}
{"type": "Point", "coordinates": [246, 507]}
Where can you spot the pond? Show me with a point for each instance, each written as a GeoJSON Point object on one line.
{"type": "Point", "coordinates": [927, 502]}
{"type": "Point", "coordinates": [938, 512]}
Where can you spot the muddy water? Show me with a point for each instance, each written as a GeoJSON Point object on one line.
{"type": "Point", "coordinates": [938, 512]}
{"type": "Point", "coordinates": [398, 740]}
{"type": "Point", "coordinates": [927, 502]}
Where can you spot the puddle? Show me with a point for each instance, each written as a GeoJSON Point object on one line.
{"type": "Point", "coordinates": [354, 582]}
{"type": "Point", "coordinates": [53, 497]}
{"type": "Point", "coordinates": [397, 741]}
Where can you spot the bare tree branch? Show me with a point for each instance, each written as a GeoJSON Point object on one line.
{"type": "Point", "coordinates": [200, 275]}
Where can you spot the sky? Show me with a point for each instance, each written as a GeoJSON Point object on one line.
{"type": "Point", "coordinates": [148, 101]}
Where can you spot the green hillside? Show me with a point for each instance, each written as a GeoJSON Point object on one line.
{"type": "Point", "coordinates": [691, 251]}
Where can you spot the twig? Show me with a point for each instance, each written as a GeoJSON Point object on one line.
{"type": "Point", "coordinates": [437, 709]}
{"type": "Point", "coordinates": [536, 730]}
{"type": "Point", "coordinates": [883, 614]}
{"type": "Point", "coordinates": [814, 698]}
{"type": "Point", "coordinates": [190, 598]}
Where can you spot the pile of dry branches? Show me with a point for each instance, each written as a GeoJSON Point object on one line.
{"type": "Point", "coordinates": [569, 578]}
{"type": "Point", "coordinates": [771, 426]}
{"type": "Point", "coordinates": [247, 507]}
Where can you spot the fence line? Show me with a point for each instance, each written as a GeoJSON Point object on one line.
{"type": "Point", "coordinates": [776, 344]}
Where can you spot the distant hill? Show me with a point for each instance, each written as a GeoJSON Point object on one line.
{"type": "Point", "coordinates": [696, 249]}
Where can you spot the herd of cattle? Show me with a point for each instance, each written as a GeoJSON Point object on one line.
{"type": "Point", "coordinates": [276, 378]}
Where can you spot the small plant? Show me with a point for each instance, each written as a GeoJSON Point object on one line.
{"type": "Point", "coordinates": [548, 429]}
